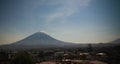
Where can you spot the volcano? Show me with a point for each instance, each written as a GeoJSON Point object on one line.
{"type": "Point", "coordinates": [38, 40]}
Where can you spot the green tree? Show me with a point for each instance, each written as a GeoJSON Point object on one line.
{"type": "Point", "coordinates": [3, 56]}
{"type": "Point", "coordinates": [23, 58]}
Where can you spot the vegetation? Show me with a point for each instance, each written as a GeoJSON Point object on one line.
{"type": "Point", "coordinates": [23, 58]}
{"type": "Point", "coordinates": [3, 55]}
{"type": "Point", "coordinates": [113, 54]}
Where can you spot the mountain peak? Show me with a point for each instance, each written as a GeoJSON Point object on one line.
{"type": "Point", "coordinates": [40, 33]}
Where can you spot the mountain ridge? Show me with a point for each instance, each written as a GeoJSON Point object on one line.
{"type": "Point", "coordinates": [38, 40]}
{"type": "Point", "coordinates": [43, 40]}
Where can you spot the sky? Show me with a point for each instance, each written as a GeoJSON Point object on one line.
{"type": "Point", "coordinates": [76, 21]}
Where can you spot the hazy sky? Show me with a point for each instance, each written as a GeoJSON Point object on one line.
{"type": "Point", "coordinates": [78, 21]}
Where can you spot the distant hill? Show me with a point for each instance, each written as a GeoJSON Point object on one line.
{"type": "Point", "coordinates": [115, 42]}
{"type": "Point", "coordinates": [108, 44]}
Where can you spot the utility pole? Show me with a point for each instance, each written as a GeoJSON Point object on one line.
{"type": "Point", "coordinates": [90, 49]}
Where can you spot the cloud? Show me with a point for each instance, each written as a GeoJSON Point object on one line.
{"type": "Point", "coordinates": [66, 9]}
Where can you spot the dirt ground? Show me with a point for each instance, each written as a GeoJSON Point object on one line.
{"type": "Point", "coordinates": [90, 62]}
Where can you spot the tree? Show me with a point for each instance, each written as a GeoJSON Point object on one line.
{"type": "Point", "coordinates": [3, 55]}
{"type": "Point", "coordinates": [23, 58]}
